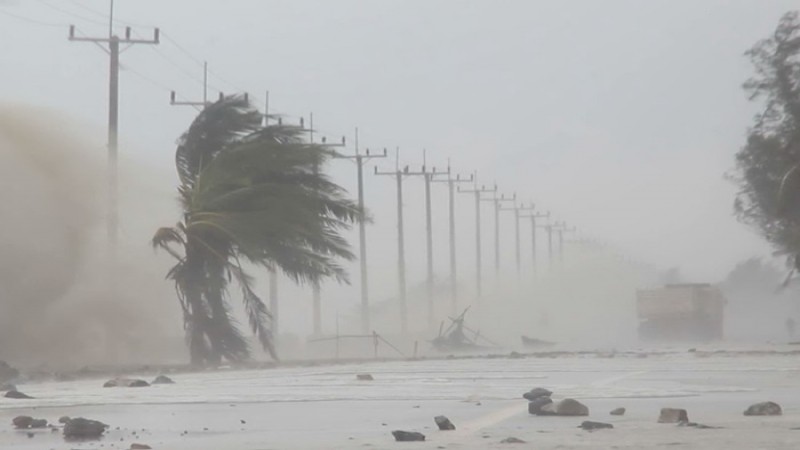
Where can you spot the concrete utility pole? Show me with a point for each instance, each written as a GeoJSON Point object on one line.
{"type": "Point", "coordinates": [497, 202]}
{"type": "Point", "coordinates": [476, 192]}
{"type": "Point", "coordinates": [113, 112]}
{"type": "Point", "coordinates": [517, 208]}
{"type": "Point", "coordinates": [451, 183]}
{"type": "Point", "coordinates": [317, 296]}
{"type": "Point", "coordinates": [427, 176]}
{"type": "Point", "coordinates": [361, 160]}
{"type": "Point", "coordinates": [533, 216]}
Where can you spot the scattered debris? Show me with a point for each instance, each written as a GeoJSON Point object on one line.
{"type": "Point", "coordinates": [17, 395]}
{"type": "Point", "coordinates": [364, 377]}
{"type": "Point", "coordinates": [618, 412]}
{"type": "Point", "coordinates": [22, 422]}
{"type": "Point", "coordinates": [39, 423]}
{"type": "Point", "coordinates": [699, 426]}
{"type": "Point", "coordinates": [535, 406]}
{"type": "Point", "coordinates": [140, 447]}
{"type": "Point", "coordinates": [515, 355]}
{"type": "Point", "coordinates": [80, 428]}
{"type": "Point", "coordinates": [63, 419]}
{"type": "Point", "coordinates": [163, 379]}
{"type": "Point", "coordinates": [589, 425]}
{"type": "Point", "coordinates": [512, 440]}
{"type": "Point", "coordinates": [444, 423]}
{"type": "Point", "coordinates": [407, 436]}
{"type": "Point", "coordinates": [454, 338]}
{"type": "Point", "coordinates": [673, 415]}
{"type": "Point", "coordinates": [764, 409]}
{"type": "Point", "coordinates": [125, 382]}
{"type": "Point", "coordinates": [535, 393]}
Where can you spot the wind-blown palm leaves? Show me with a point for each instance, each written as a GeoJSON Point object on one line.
{"type": "Point", "coordinates": [767, 166]}
{"type": "Point", "coordinates": [249, 194]}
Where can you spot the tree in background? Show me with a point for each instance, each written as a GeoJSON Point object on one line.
{"type": "Point", "coordinates": [769, 195]}
{"type": "Point", "coordinates": [249, 194]}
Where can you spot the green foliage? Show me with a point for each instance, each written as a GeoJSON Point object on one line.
{"type": "Point", "coordinates": [255, 195]}
{"type": "Point", "coordinates": [769, 196]}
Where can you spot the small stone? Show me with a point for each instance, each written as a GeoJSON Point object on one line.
{"type": "Point", "coordinates": [515, 355]}
{"type": "Point", "coordinates": [535, 406]}
{"type": "Point", "coordinates": [22, 422]}
{"type": "Point", "coordinates": [444, 423]}
{"type": "Point", "coordinates": [512, 440]}
{"type": "Point", "coordinates": [140, 447]}
{"type": "Point", "coordinates": [17, 395]}
{"type": "Point", "coordinates": [162, 379]}
{"type": "Point", "coordinates": [125, 382]}
{"type": "Point", "coordinates": [407, 436]}
{"type": "Point", "coordinates": [764, 409]}
{"type": "Point", "coordinates": [39, 423]}
{"type": "Point", "coordinates": [242, 421]}
{"type": "Point", "coordinates": [673, 415]}
{"type": "Point", "coordinates": [364, 377]}
{"type": "Point", "coordinates": [618, 412]}
{"type": "Point", "coordinates": [589, 425]}
{"type": "Point", "coordinates": [535, 393]}
{"type": "Point", "coordinates": [63, 419]}
{"type": "Point", "coordinates": [571, 407]}
{"type": "Point", "coordinates": [30, 435]}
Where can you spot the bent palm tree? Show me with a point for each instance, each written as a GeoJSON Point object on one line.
{"type": "Point", "coordinates": [249, 193]}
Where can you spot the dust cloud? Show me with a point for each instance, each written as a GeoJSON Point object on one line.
{"type": "Point", "coordinates": [64, 301]}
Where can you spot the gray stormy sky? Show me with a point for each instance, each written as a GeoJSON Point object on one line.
{"type": "Point", "coordinates": [620, 116]}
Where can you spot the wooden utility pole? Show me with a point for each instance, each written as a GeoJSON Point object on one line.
{"type": "Point", "coordinates": [317, 296]}
{"type": "Point", "coordinates": [361, 160]}
{"type": "Point", "coordinates": [451, 183]}
{"type": "Point", "coordinates": [427, 177]}
{"type": "Point", "coordinates": [476, 192]}
{"type": "Point", "coordinates": [401, 257]}
{"type": "Point", "coordinates": [533, 216]}
{"type": "Point", "coordinates": [517, 208]}
{"type": "Point", "coordinates": [113, 42]}
{"type": "Point", "coordinates": [274, 305]}
{"type": "Point", "coordinates": [497, 201]}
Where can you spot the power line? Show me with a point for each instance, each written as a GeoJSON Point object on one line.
{"type": "Point", "coordinates": [69, 13]}
{"type": "Point", "coordinates": [32, 21]}
{"type": "Point", "coordinates": [106, 16]}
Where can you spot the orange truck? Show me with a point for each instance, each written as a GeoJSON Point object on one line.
{"type": "Point", "coordinates": [681, 312]}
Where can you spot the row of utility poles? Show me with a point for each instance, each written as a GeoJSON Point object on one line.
{"type": "Point", "coordinates": [481, 194]}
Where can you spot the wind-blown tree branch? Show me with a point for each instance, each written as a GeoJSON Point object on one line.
{"type": "Point", "coordinates": [250, 194]}
{"type": "Point", "coordinates": [766, 167]}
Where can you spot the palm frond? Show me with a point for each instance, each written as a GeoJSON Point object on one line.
{"type": "Point", "coordinates": [217, 126]}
